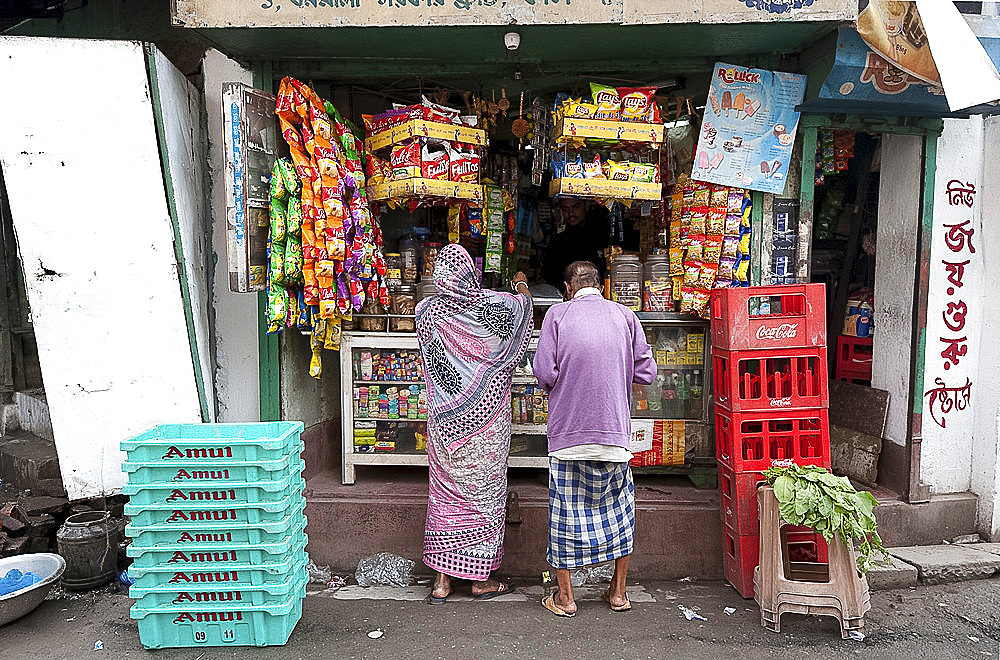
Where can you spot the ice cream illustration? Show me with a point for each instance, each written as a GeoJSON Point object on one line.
{"type": "Point", "coordinates": [727, 101]}
{"type": "Point", "coordinates": [738, 104]}
{"type": "Point", "coordinates": [714, 101]}
{"type": "Point", "coordinates": [702, 160]}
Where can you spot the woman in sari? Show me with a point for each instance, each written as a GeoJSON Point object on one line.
{"type": "Point", "coordinates": [471, 340]}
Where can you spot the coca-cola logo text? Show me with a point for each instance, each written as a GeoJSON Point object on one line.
{"type": "Point", "coordinates": [783, 331]}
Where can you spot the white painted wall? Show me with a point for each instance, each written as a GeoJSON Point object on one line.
{"type": "Point", "coordinates": [237, 379]}
{"type": "Point", "coordinates": [946, 452]}
{"type": "Point", "coordinates": [79, 153]}
{"type": "Point", "coordinates": [985, 477]}
{"type": "Point", "coordinates": [899, 218]}
{"type": "Point", "coordinates": [181, 108]}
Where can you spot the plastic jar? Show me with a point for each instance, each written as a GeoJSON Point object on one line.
{"type": "Point", "coordinates": [404, 302]}
{"type": "Point", "coordinates": [393, 269]}
{"type": "Point", "coordinates": [626, 281]}
{"type": "Point", "coordinates": [430, 253]}
{"type": "Point", "coordinates": [372, 319]}
{"type": "Point", "coordinates": [409, 259]}
{"type": "Point", "coordinates": [657, 290]}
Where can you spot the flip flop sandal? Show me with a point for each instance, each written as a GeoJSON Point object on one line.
{"type": "Point", "coordinates": [624, 607]}
{"type": "Point", "coordinates": [549, 603]}
{"type": "Point", "coordinates": [439, 600]}
{"type": "Point", "coordinates": [504, 589]}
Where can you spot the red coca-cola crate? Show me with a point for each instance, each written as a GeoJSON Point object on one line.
{"type": "Point", "coordinates": [854, 358]}
{"type": "Point", "coordinates": [741, 553]}
{"type": "Point", "coordinates": [795, 317]}
{"type": "Point", "coordinates": [738, 499]}
{"type": "Point", "coordinates": [773, 379]}
{"type": "Point", "coordinates": [752, 441]}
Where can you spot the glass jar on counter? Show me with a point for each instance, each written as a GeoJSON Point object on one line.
{"type": "Point", "coordinates": [656, 289]}
{"type": "Point", "coordinates": [402, 307]}
{"type": "Point", "coordinates": [430, 253]}
{"type": "Point", "coordinates": [626, 281]}
{"type": "Point", "coordinates": [371, 317]}
{"type": "Point", "coordinates": [409, 259]}
{"type": "Point", "coordinates": [393, 270]}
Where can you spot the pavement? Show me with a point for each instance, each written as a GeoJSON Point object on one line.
{"type": "Point", "coordinates": [955, 620]}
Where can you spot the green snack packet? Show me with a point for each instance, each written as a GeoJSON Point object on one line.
{"type": "Point", "coordinates": [293, 219]}
{"type": "Point", "coordinates": [293, 261]}
{"type": "Point", "coordinates": [278, 190]}
{"type": "Point", "coordinates": [277, 308]}
{"type": "Point", "coordinates": [276, 264]}
{"type": "Point", "coordinates": [288, 175]}
{"type": "Point", "coordinates": [609, 104]}
{"type": "Point", "coordinates": [278, 220]}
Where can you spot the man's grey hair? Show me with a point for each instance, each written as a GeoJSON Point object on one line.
{"type": "Point", "coordinates": [581, 274]}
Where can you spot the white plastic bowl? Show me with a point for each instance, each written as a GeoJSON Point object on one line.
{"type": "Point", "coordinates": [45, 565]}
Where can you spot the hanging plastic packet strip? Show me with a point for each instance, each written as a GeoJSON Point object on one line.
{"type": "Point", "coordinates": [733, 221]}
{"type": "Point", "coordinates": [727, 267]}
{"type": "Point", "coordinates": [716, 221]}
{"type": "Point", "coordinates": [735, 200]}
{"type": "Point", "coordinates": [730, 246]}
{"type": "Point", "coordinates": [276, 263]}
{"type": "Point", "coordinates": [719, 197]}
{"type": "Point", "coordinates": [277, 216]}
{"type": "Point", "coordinates": [316, 344]}
{"type": "Point", "coordinates": [713, 247]}
{"type": "Point", "coordinates": [293, 261]}
{"type": "Point", "coordinates": [707, 277]}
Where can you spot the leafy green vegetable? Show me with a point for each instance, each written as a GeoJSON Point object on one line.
{"type": "Point", "coordinates": [813, 497]}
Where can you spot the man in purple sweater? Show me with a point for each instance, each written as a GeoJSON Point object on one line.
{"type": "Point", "coordinates": [590, 352]}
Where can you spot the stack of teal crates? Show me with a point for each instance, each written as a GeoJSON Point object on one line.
{"type": "Point", "coordinates": [217, 523]}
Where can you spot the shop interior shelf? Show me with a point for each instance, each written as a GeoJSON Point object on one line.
{"type": "Point", "coordinates": [602, 129]}
{"type": "Point", "coordinates": [389, 382]}
{"type": "Point", "coordinates": [422, 128]}
{"type": "Point", "coordinates": [606, 188]}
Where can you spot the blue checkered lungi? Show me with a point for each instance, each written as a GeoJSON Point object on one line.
{"type": "Point", "coordinates": [591, 512]}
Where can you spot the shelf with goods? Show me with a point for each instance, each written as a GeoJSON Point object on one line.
{"type": "Point", "coordinates": [401, 164]}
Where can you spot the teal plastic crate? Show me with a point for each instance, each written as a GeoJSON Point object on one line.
{"type": "Point", "coordinates": [195, 596]}
{"type": "Point", "coordinates": [152, 472]}
{"type": "Point", "coordinates": [194, 515]}
{"type": "Point", "coordinates": [219, 575]}
{"type": "Point", "coordinates": [250, 492]}
{"type": "Point", "coordinates": [196, 554]}
{"type": "Point", "coordinates": [218, 624]}
{"type": "Point", "coordinates": [218, 533]}
{"type": "Point", "coordinates": [194, 443]}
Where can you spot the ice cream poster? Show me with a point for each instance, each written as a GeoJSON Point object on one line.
{"type": "Point", "coordinates": [749, 128]}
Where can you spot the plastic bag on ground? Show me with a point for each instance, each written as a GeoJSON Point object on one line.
{"type": "Point", "coordinates": [598, 574]}
{"type": "Point", "coordinates": [318, 574]}
{"type": "Point", "coordinates": [385, 569]}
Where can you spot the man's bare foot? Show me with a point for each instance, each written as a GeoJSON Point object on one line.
{"type": "Point", "coordinates": [490, 586]}
{"type": "Point", "coordinates": [442, 586]}
{"type": "Point", "coordinates": [565, 603]}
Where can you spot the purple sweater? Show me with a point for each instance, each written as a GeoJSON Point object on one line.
{"type": "Point", "coordinates": [590, 352]}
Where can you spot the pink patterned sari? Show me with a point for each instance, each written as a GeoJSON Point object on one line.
{"type": "Point", "coordinates": [471, 340]}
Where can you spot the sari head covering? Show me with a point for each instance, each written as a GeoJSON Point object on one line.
{"type": "Point", "coordinates": [471, 339]}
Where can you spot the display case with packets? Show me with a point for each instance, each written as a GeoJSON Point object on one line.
{"type": "Point", "coordinates": [425, 152]}
{"type": "Point", "coordinates": [608, 148]}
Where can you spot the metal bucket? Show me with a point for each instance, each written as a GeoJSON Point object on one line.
{"type": "Point", "coordinates": [89, 543]}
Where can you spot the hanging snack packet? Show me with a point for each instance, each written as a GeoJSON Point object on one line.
{"type": "Point", "coordinates": [289, 176]}
{"type": "Point", "coordinates": [699, 302]}
{"type": "Point", "coordinates": [643, 172]}
{"type": "Point", "coordinates": [716, 221]}
{"type": "Point", "coordinates": [331, 340]}
{"type": "Point", "coordinates": [454, 223]}
{"type": "Point", "coordinates": [293, 221]}
{"type": "Point", "coordinates": [675, 235]}
{"type": "Point", "coordinates": [573, 169]}
{"type": "Point", "coordinates": [609, 104]}
{"type": "Point", "coordinates": [677, 283]}
{"type": "Point", "coordinates": [722, 282]}
{"type": "Point", "coordinates": [293, 261]}
{"type": "Point", "coordinates": [676, 261]}
{"type": "Point", "coordinates": [699, 220]}
{"type": "Point", "coordinates": [580, 110]}
{"type": "Point", "coordinates": [707, 277]}
{"type": "Point", "coordinates": [730, 246]}
{"type": "Point", "coordinates": [277, 307]}
{"type": "Point", "coordinates": [744, 245]}
{"type": "Point", "coordinates": [702, 194]}
{"type": "Point", "coordinates": [636, 102]}
{"type": "Point", "coordinates": [727, 267]}
{"type": "Point", "coordinates": [713, 247]}
{"type": "Point", "coordinates": [618, 171]}
{"type": "Point", "coordinates": [593, 169]}
{"type": "Point", "coordinates": [735, 201]}
{"type": "Point", "coordinates": [692, 272]}
{"type": "Point", "coordinates": [405, 160]}
{"type": "Point", "coordinates": [316, 344]}
{"type": "Point", "coordinates": [278, 220]}
{"type": "Point", "coordinates": [465, 167]}
{"type": "Point", "coordinates": [687, 299]}
{"type": "Point", "coordinates": [719, 197]}
{"type": "Point", "coordinates": [733, 221]}
{"type": "Point", "coordinates": [276, 264]}
{"type": "Point", "coordinates": [743, 271]}
{"type": "Point", "coordinates": [277, 189]}
{"type": "Point", "coordinates": [434, 164]}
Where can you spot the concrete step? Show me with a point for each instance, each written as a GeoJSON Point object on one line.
{"type": "Point", "coordinates": [28, 462]}
{"type": "Point", "coordinates": [938, 564]}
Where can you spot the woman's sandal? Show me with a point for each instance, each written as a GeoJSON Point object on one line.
{"type": "Point", "coordinates": [549, 603]}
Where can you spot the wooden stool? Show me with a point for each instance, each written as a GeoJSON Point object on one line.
{"type": "Point", "coordinates": [780, 585]}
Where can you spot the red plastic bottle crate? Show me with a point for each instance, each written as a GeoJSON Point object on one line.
{"type": "Point", "coordinates": [738, 500]}
{"type": "Point", "coordinates": [797, 318]}
{"type": "Point", "coordinates": [741, 554]}
{"type": "Point", "coordinates": [773, 379]}
{"type": "Point", "coordinates": [752, 441]}
{"type": "Point", "coordinates": [854, 358]}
